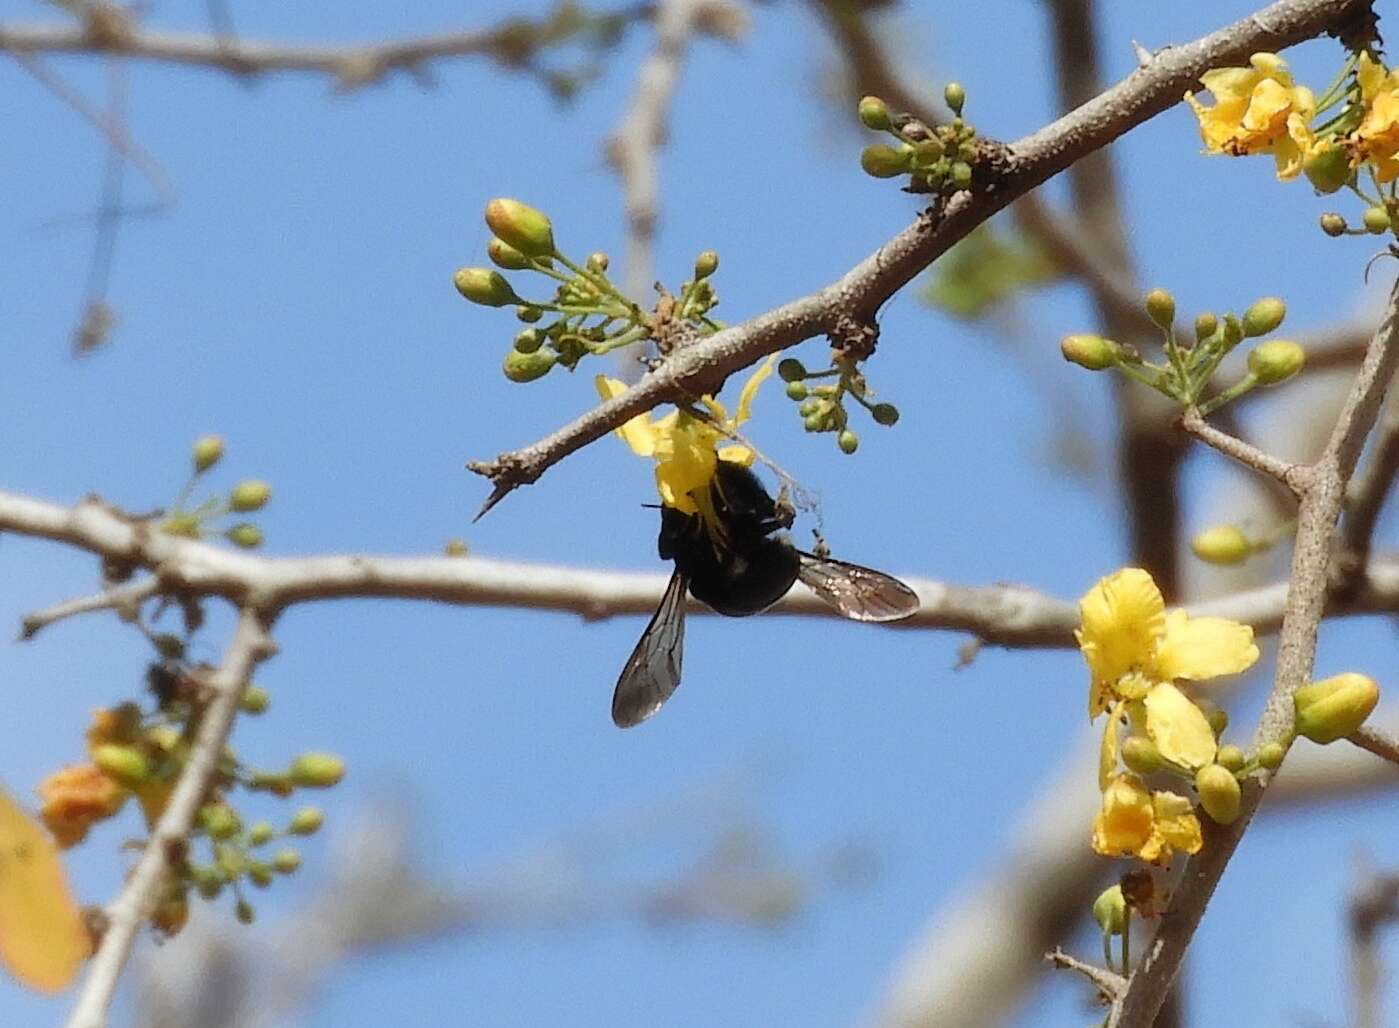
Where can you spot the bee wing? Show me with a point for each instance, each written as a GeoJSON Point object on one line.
{"type": "Point", "coordinates": [859, 593]}
{"type": "Point", "coordinates": [652, 672]}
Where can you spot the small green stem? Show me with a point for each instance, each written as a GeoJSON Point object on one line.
{"type": "Point", "coordinates": [1229, 395]}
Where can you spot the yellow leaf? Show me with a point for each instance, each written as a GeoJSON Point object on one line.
{"type": "Point", "coordinates": [42, 938]}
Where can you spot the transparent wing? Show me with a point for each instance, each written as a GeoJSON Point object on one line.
{"type": "Point", "coordinates": [860, 593]}
{"type": "Point", "coordinates": [652, 671]}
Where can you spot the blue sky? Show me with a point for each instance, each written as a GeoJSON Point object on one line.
{"type": "Point", "coordinates": [298, 301]}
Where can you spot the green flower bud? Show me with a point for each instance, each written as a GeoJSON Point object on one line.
{"type": "Point", "coordinates": [208, 881]}
{"type": "Point", "coordinates": [260, 834]}
{"type": "Point", "coordinates": [1233, 331]}
{"type": "Point", "coordinates": [485, 286]}
{"type": "Point", "coordinates": [249, 495]}
{"type": "Point", "coordinates": [1141, 755]}
{"type": "Point", "coordinates": [1327, 168]}
{"type": "Point", "coordinates": [961, 174]}
{"type": "Point", "coordinates": [1376, 220]}
{"type": "Point", "coordinates": [883, 161]}
{"type": "Point", "coordinates": [244, 912]}
{"type": "Point", "coordinates": [874, 114]}
{"type": "Point", "coordinates": [955, 97]}
{"type": "Point", "coordinates": [528, 313]}
{"type": "Point", "coordinates": [316, 770]}
{"type": "Point", "coordinates": [1110, 911]}
{"type": "Point", "coordinates": [1218, 720]}
{"type": "Point", "coordinates": [1270, 755]}
{"type": "Point", "coordinates": [796, 390]}
{"type": "Point", "coordinates": [848, 441]}
{"type": "Point", "coordinates": [245, 535]}
{"type": "Point", "coordinates": [597, 262]}
{"type": "Point", "coordinates": [526, 367]}
{"type": "Point", "coordinates": [207, 451]}
{"type": "Point", "coordinates": [260, 874]}
{"type": "Point", "coordinates": [706, 264]}
{"type": "Point", "coordinates": [125, 765]}
{"type": "Point", "coordinates": [521, 226]}
{"type": "Point", "coordinates": [255, 700]}
{"type": "Point", "coordinates": [1205, 326]}
{"type": "Point", "coordinates": [503, 255]}
{"type": "Point", "coordinates": [1221, 544]}
{"type": "Point", "coordinates": [528, 340]}
{"type": "Point", "coordinates": [219, 820]}
{"type": "Point", "coordinates": [927, 153]}
{"type": "Point", "coordinates": [1333, 224]}
{"type": "Point", "coordinates": [884, 413]}
{"type": "Point", "coordinates": [1219, 793]}
{"type": "Point", "coordinates": [1334, 707]}
{"type": "Point", "coordinates": [1230, 757]}
{"type": "Point", "coordinates": [1264, 316]}
{"type": "Point", "coordinates": [307, 821]}
{"type": "Point", "coordinates": [1090, 351]}
{"type": "Point", "coordinates": [1276, 361]}
{"type": "Point", "coordinates": [791, 370]}
{"type": "Point", "coordinates": [809, 406]}
{"type": "Point", "coordinates": [286, 861]}
{"type": "Point", "coordinates": [814, 422]}
{"type": "Point", "coordinates": [1161, 308]}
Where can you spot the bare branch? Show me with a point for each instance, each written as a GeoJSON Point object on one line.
{"type": "Point", "coordinates": [513, 43]}
{"type": "Point", "coordinates": [139, 895]}
{"type": "Point", "coordinates": [1376, 741]}
{"type": "Point", "coordinates": [125, 600]}
{"type": "Point", "coordinates": [632, 149]}
{"type": "Point", "coordinates": [1003, 615]}
{"type": "Point", "coordinates": [1368, 491]}
{"type": "Point", "coordinates": [1291, 475]}
{"type": "Point", "coordinates": [703, 366]}
{"type": "Point", "coordinates": [1323, 492]}
{"type": "Point", "coordinates": [1110, 984]}
{"type": "Point", "coordinates": [1375, 904]}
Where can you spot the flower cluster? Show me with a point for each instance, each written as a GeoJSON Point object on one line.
{"type": "Point", "coordinates": [1350, 130]}
{"type": "Point", "coordinates": [587, 314]}
{"type": "Point", "coordinates": [132, 753]}
{"type": "Point", "coordinates": [1137, 652]}
{"type": "Point", "coordinates": [247, 496]}
{"type": "Point", "coordinates": [937, 160]}
{"type": "Point", "coordinates": [821, 396]}
{"type": "Point", "coordinates": [1187, 371]}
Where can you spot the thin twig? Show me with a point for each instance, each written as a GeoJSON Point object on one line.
{"type": "Point", "coordinates": [126, 600]}
{"type": "Point", "coordinates": [126, 914]}
{"type": "Point", "coordinates": [702, 367]}
{"type": "Point", "coordinates": [1368, 491]}
{"type": "Point", "coordinates": [1323, 492]}
{"type": "Point", "coordinates": [1377, 741]}
{"type": "Point", "coordinates": [1293, 476]}
{"type": "Point", "coordinates": [1110, 985]}
{"type": "Point", "coordinates": [1375, 904]}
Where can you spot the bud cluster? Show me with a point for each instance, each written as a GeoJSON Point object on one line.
{"type": "Point", "coordinates": [937, 159]}
{"type": "Point", "coordinates": [196, 522]}
{"type": "Point", "coordinates": [822, 403]}
{"type": "Point", "coordinates": [585, 314]}
{"type": "Point", "coordinates": [134, 753]}
{"type": "Point", "coordinates": [1186, 373]}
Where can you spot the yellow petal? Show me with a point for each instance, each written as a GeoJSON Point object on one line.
{"type": "Point", "coordinates": [685, 461]}
{"type": "Point", "coordinates": [1272, 66]}
{"type": "Point", "coordinates": [639, 433]}
{"type": "Point", "coordinates": [1179, 729]}
{"type": "Point", "coordinates": [1176, 822]}
{"type": "Point", "coordinates": [42, 938]}
{"type": "Point", "coordinates": [1107, 750]}
{"type": "Point", "coordinates": [1370, 75]}
{"type": "Point", "coordinates": [737, 455]}
{"type": "Point", "coordinates": [750, 389]}
{"type": "Point", "coordinates": [1124, 824]}
{"type": "Point", "coordinates": [1199, 648]}
{"type": "Point", "coordinates": [1123, 617]}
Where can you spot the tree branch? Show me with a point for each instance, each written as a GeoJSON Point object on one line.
{"type": "Point", "coordinates": [703, 366]}
{"type": "Point", "coordinates": [139, 895]}
{"type": "Point", "coordinates": [1291, 475]}
{"type": "Point", "coordinates": [1323, 493]}
{"type": "Point", "coordinates": [1376, 741]}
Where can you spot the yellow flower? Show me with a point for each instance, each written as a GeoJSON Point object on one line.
{"type": "Point", "coordinates": [1128, 635]}
{"type": "Point", "coordinates": [1136, 822]}
{"type": "Point", "coordinates": [1378, 134]}
{"type": "Point", "coordinates": [75, 798]}
{"type": "Point", "coordinates": [685, 448]}
{"type": "Point", "coordinates": [1257, 109]}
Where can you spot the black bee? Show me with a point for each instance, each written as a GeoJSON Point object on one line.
{"type": "Point", "coordinates": [738, 560]}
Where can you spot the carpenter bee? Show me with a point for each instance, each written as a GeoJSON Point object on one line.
{"type": "Point", "coordinates": [736, 557]}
